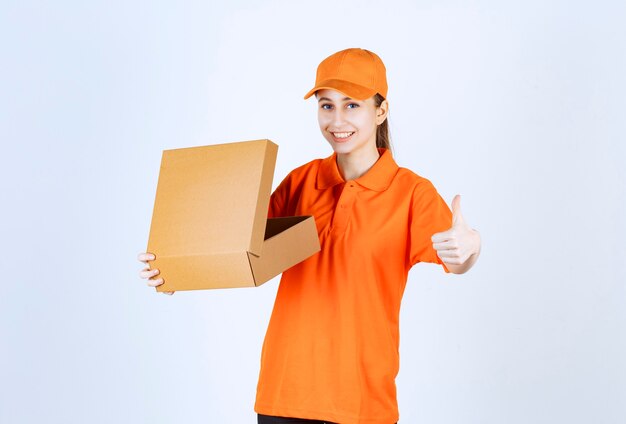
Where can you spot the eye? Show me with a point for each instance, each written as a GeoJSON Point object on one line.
{"type": "Point", "coordinates": [352, 105]}
{"type": "Point", "coordinates": [326, 106]}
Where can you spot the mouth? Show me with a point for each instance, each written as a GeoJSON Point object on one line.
{"type": "Point", "coordinates": [342, 136]}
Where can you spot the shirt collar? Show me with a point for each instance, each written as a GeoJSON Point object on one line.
{"type": "Point", "coordinates": [377, 178]}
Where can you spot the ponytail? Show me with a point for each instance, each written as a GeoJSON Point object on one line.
{"type": "Point", "coordinates": [383, 135]}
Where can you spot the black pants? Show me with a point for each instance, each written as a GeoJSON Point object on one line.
{"type": "Point", "coordinates": [266, 419]}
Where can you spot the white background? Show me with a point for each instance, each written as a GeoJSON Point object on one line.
{"type": "Point", "coordinates": [519, 106]}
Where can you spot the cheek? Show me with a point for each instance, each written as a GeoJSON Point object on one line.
{"type": "Point", "coordinates": [322, 120]}
{"type": "Point", "coordinates": [367, 121]}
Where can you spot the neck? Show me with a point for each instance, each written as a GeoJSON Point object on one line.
{"type": "Point", "coordinates": [355, 164]}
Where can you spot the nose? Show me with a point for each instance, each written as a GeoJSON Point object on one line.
{"type": "Point", "coordinates": [338, 118]}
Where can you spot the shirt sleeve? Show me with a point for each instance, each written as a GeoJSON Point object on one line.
{"type": "Point", "coordinates": [429, 215]}
{"type": "Point", "coordinates": [278, 200]}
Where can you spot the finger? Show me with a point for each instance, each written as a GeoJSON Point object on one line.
{"type": "Point", "coordinates": [457, 217]}
{"type": "Point", "coordinates": [145, 257]}
{"type": "Point", "coordinates": [148, 273]}
{"type": "Point", "coordinates": [168, 292]}
{"type": "Point", "coordinates": [452, 261]}
{"type": "Point", "coordinates": [448, 254]}
{"type": "Point", "coordinates": [446, 245]}
{"type": "Point", "coordinates": [156, 282]}
{"type": "Point", "coordinates": [443, 236]}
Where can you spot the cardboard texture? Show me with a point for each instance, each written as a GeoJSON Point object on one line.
{"type": "Point", "coordinates": [209, 224]}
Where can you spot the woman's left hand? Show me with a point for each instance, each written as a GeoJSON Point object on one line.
{"type": "Point", "coordinates": [457, 245]}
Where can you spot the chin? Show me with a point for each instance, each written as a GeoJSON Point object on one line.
{"type": "Point", "coordinates": [342, 148]}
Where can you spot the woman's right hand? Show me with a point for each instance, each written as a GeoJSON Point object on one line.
{"type": "Point", "coordinates": [150, 273]}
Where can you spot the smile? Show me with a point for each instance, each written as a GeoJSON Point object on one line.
{"type": "Point", "coordinates": [342, 135]}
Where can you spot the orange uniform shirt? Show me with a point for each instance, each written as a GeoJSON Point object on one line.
{"type": "Point", "coordinates": [331, 347]}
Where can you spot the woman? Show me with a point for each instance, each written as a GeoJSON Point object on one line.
{"type": "Point", "coordinates": [331, 349]}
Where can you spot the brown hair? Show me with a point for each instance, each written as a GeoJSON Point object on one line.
{"type": "Point", "coordinates": [383, 136]}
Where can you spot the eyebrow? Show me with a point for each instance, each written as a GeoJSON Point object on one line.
{"type": "Point", "coordinates": [327, 99]}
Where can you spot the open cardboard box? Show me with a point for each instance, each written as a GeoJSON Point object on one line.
{"type": "Point", "coordinates": [209, 225]}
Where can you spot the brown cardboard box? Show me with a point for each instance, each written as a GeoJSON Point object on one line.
{"type": "Point", "coordinates": [209, 225]}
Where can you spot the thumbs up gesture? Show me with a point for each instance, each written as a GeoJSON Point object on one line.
{"type": "Point", "coordinates": [457, 245]}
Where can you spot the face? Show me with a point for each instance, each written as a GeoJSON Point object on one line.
{"type": "Point", "coordinates": [349, 125]}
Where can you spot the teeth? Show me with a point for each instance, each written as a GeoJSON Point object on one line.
{"type": "Point", "coordinates": [343, 134]}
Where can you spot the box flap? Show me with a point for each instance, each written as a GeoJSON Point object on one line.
{"type": "Point", "coordinates": [205, 271]}
{"type": "Point", "coordinates": [213, 199]}
{"type": "Point", "coordinates": [288, 241]}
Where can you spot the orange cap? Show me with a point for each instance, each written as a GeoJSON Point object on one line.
{"type": "Point", "coordinates": [357, 73]}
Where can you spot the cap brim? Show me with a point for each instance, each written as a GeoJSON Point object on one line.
{"type": "Point", "coordinates": [352, 90]}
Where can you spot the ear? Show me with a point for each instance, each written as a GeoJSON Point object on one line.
{"type": "Point", "coordinates": [381, 112]}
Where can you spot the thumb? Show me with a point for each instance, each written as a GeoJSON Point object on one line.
{"type": "Point", "coordinates": [457, 217]}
